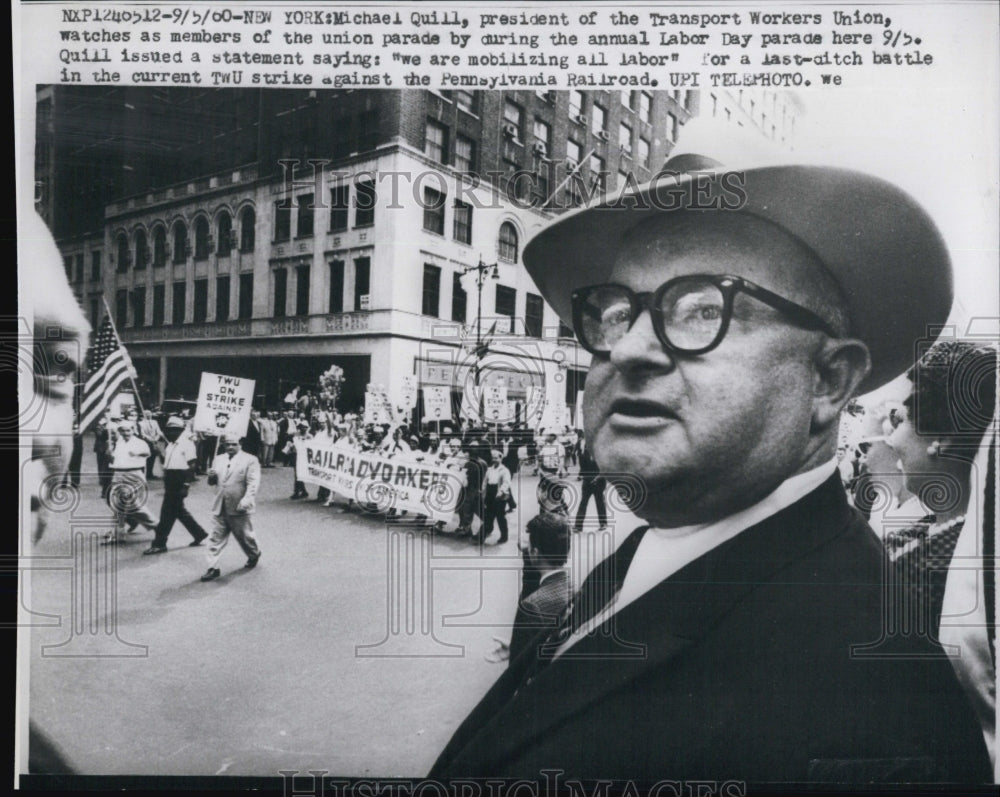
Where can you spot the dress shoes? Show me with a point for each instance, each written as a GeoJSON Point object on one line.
{"type": "Point", "coordinates": [211, 574]}
{"type": "Point", "coordinates": [252, 562]}
{"type": "Point", "coordinates": [152, 550]}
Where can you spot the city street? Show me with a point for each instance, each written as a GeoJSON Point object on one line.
{"type": "Point", "coordinates": [355, 646]}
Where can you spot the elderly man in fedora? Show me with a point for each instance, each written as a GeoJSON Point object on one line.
{"type": "Point", "coordinates": [739, 634]}
{"type": "Point", "coordinates": [237, 475]}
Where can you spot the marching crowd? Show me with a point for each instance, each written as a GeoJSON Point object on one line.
{"type": "Point", "coordinates": [485, 461]}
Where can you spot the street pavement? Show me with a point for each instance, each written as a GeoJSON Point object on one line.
{"type": "Point", "coordinates": [356, 646]}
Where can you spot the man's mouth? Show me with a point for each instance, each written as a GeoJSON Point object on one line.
{"type": "Point", "coordinates": [639, 407]}
{"type": "Point", "coordinates": [639, 412]}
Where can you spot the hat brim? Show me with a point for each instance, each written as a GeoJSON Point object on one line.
{"type": "Point", "coordinates": [880, 246]}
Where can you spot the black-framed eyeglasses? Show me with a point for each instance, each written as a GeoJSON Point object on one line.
{"type": "Point", "coordinates": [690, 314]}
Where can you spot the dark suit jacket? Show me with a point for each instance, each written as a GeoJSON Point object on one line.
{"type": "Point", "coordinates": [765, 660]}
{"type": "Point", "coordinates": [539, 610]}
{"type": "Point", "coordinates": [251, 443]}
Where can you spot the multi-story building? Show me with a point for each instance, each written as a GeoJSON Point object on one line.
{"type": "Point", "coordinates": [270, 234]}
{"type": "Point", "coordinates": [772, 114]}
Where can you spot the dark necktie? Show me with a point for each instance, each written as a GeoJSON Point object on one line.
{"type": "Point", "coordinates": [598, 590]}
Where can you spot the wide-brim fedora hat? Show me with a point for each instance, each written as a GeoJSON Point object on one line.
{"type": "Point", "coordinates": [879, 245]}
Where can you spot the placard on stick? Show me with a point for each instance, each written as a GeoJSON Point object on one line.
{"type": "Point", "coordinates": [224, 404]}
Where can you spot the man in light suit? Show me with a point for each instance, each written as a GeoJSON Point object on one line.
{"type": "Point", "coordinates": [732, 311]}
{"type": "Point", "coordinates": [237, 475]}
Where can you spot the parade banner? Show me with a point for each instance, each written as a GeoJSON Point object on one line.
{"type": "Point", "coordinates": [399, 483]}
{"type": "Point", "coordinates": [437, 404]}
{"type": "Point", "coordinates": [224, 404]}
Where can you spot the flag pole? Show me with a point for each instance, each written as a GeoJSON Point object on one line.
{"type": "Point", "coordinates": [131, 368]}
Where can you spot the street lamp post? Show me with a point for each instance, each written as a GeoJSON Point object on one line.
{"type": "Point", "coordinates": [483, 272]}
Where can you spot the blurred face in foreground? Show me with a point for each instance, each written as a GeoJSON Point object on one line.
{"type": "Point", "coordinates": [60, 342]}
{"type": "Point", "coordinates": [713, 433]}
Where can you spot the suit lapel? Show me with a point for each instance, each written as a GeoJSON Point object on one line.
{"type": "Point", "coordinates": [652, 630]}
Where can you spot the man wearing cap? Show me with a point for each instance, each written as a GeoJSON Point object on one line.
{"type": "Point", "coordinates": [237, 475]}
{"type": "Point", "coordinates": [129, 490]}
{"type": "Point", "coordinates": [741, 634]}
{"type": "Point", "coordinates": [179, 462]}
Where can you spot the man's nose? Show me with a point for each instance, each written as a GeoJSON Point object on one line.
{"type": "Point", "coordinates": [639, 348]}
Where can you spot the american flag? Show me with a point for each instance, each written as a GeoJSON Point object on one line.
{"type": "Point", "coordinates": [108, 365]}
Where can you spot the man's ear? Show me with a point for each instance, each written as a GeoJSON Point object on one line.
{"type": "Point", "coordinates": [839, 366]}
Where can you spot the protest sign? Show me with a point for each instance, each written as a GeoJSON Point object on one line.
{"type": "Point", "coordinates": [437, 404]}
{"type": "Point", "coordinates": [495, 405]}
{"type": "Point", "coordinates": [407, 394]}
{"type": "Point", "coordinates": [378, 408]}
{"type": "Point", "coordinates": [224, 404]}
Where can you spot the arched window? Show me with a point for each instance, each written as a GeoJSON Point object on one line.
{"type": "Point", "coordinates": [180, 242]}
{"type": "Point", "coordinates": [159, 246]}
{"type": "Point", "coordinates": [225, 234]}
{"type": "Point", "coordinates": [123, 255]}
{"type": "Point", "coordinates": [202, 244]}
{"type": "Point", "coordinates": [507, 243]}
{"type": "Point", "coordinates": [141, 250]}
{"type": "Point", "coordinates": [248, 220]}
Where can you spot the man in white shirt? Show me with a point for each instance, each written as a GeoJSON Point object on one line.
{"type": "Point", "coordinates": [129, 490]}
{"type": "Point", "coordinates": [496, 494]}
{"type": "Point", "coordinates": [179, 462]}
{"type": "Point", "coordinates": [741, 636]}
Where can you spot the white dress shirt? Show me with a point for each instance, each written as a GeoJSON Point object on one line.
{"type": "Point", "coordinates": [177, 454]}
{"type": "Point", "coordinates": [130, 454]}
{"type": "Point", "coordinates": [662, 552]}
